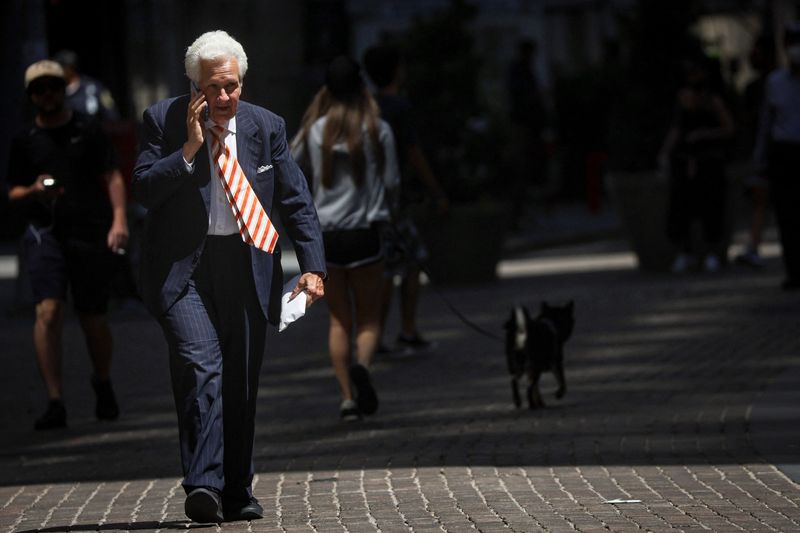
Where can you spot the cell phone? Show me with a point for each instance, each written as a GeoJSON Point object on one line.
{"type": "Point", "coordinates": [49, 183]}
{"type": "Point", "coordinates": [196, 89]}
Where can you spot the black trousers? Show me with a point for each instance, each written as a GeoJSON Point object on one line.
{"type": "Point", "coordinates": [784, 182]}
{"type": "Point", "coordinates": [697, 197]}
{"type": "Point", "coordinates": [216, 335]}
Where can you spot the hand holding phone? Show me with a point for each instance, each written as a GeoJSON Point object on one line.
{"type": "Point", "coordinates": [195, 91]}
{"type": "Point", "coordinates": [47, 184]}
{"type": "Point", "coordinates": [196, 116]}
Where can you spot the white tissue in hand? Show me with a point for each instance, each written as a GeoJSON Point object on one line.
{"type": "Point", "coordinates": [291, 311]}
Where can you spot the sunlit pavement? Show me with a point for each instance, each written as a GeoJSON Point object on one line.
{"type": "Point", "coordinates": [682, 413]}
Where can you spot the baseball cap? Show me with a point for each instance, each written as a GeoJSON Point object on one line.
{"type": "Point", "coordinates": [41, 69]}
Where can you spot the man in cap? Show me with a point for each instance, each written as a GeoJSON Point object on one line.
{"type": "Point", "coordinates": [777, 152]}
{"type": "Point", "coordinates": [63, 175]}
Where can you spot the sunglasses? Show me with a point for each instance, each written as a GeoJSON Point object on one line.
{"type": "Point", "coordinates": [44, 85]}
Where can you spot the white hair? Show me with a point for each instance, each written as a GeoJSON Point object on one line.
{"type": "Point", "coordinates": [210, 46]}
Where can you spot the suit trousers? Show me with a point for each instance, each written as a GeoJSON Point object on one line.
{"type": "Point", "coordinates": [216, 335]}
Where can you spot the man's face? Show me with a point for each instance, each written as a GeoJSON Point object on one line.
{"type": "Point", "coordinates": [219, 81]}
{"type": "Point", "coordinates": [47, 94]}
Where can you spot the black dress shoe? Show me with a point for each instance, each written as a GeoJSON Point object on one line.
{"type": "Point", "coordinates": [250, 511]}
{"type": "Point", "coordinates": [203, 506]}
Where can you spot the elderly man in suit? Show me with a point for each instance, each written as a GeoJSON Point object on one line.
{"type": "Point", "coordinates": [210, 171]}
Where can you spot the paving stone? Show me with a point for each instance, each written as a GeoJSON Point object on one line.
{"type": "Point", "coordinates": [666, 378]}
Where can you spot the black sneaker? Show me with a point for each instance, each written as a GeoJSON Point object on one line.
{"type": "Point", "coordinates": [414, 343]}
{"type": "Point", "coordinates": [383, 349]}
{"type": "Point", "coordinates": [55, 417]}
{"type": "Point", "coordinates": [106, 407]}
{"type": "Point", "coordinates": [750, 258]}
{"type": "Point", "coordinates": [349, 412]}
{"type": "Point", "coordinates": [366, 399]}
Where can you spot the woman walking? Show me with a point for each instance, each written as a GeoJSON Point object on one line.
{"type": "Point", "coordinates": [348, 154]}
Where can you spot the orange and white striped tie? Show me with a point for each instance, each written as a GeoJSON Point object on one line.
{"type": "Point", "coordinates": [254, 225]}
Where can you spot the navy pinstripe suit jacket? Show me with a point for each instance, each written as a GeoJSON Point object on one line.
{"type": "Point", "coordinates": [177, 203]}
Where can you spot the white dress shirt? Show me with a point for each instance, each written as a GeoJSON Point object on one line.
{"type": "Point", "coordinates": [220, 216]}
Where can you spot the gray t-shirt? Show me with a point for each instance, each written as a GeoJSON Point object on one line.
{"type": "Point", "coordinates": [346, 205]}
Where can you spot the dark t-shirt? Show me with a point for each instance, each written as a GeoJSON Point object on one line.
{"type": "Point", "coordinates": [399, 113]}
{"type": "Point", "coordinates": [525, 101]}
{"type": "Point", "coordinates": [93, 99]}
{"type": "Point", "coordinates": [78, 155]}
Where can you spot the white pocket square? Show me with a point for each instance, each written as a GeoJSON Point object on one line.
{"type": "Point", "coordinates": [263, 168]}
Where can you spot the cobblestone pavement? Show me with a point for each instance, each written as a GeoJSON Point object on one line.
{"type": "Point", "coordinates": [682, 408]}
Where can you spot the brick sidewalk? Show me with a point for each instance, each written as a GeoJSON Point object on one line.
{"type": "Point", "coordinates": [678, 400]}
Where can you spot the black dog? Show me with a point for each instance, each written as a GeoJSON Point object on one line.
{"type": "Point", "coordinates": [536, 345]}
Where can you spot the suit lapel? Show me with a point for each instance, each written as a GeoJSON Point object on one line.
{"type": "Point", "coordinates": [204, 168]}
{"type": "Point", "coordinates": [247, 144]}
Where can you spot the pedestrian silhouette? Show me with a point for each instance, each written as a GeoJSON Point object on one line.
{"type": "Point", "coordinates": [762, 59]}
{"type": "Point", "coordinates": [777, 152]}
{"type": "Point", "coordinates": [405, 253]}
{"type": "Point", "coordinates": [351, 155]}
{"type": "Point", "coordinates": [63, 173]}
{"type": "Point", "coordinates": [89, 96]}
{"type": "Point", "coordinates": [85, 93]}
{"type": "Point", "coordinates": [528, 117]}
{"type": "Point", "coordinates": [694, 153]}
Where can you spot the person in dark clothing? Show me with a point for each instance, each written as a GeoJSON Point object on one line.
{"type": "Point", "coordinates": [405, 250]}
{"type": "Point", "coordinates": [694, 151]}
{"type": "Point", "coordinates": [762, 59]}
{"type": "Point", "coordinates": [528, 117]}
{"type": "Point", "coordinates": [777, 152]}
{"type": "Point", "coordinates": [85, 93]}
{"type": "Point", "coordinates": [63, 173]}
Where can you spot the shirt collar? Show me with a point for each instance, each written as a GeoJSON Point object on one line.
{"type": "Point", "coordinates": [230, 126]}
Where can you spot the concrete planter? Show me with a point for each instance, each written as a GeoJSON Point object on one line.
{"type": "Point", "coordinates": [465, 246]}
{"type": "Point", "coordinates": [641, 199]}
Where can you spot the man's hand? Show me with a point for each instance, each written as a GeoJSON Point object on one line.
{"type": "Point", "coordinates": [195, 126]}
{"type": "Point", "coordinates": [118, 237]}
{"type": "Point", "coordinates": [312, 284]}
{"type": "Point", "coordinates": [46, 184]}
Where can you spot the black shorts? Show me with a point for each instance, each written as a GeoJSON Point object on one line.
{"type": "Point", "coordinates": [352, 248]}
{"type": "Point", "coordinates": [54, 265]}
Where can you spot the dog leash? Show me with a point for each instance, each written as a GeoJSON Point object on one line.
{"type": "Point", "coordinates": [469, 323]}
{"type": "Point", "coordinates": [458, 313]}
